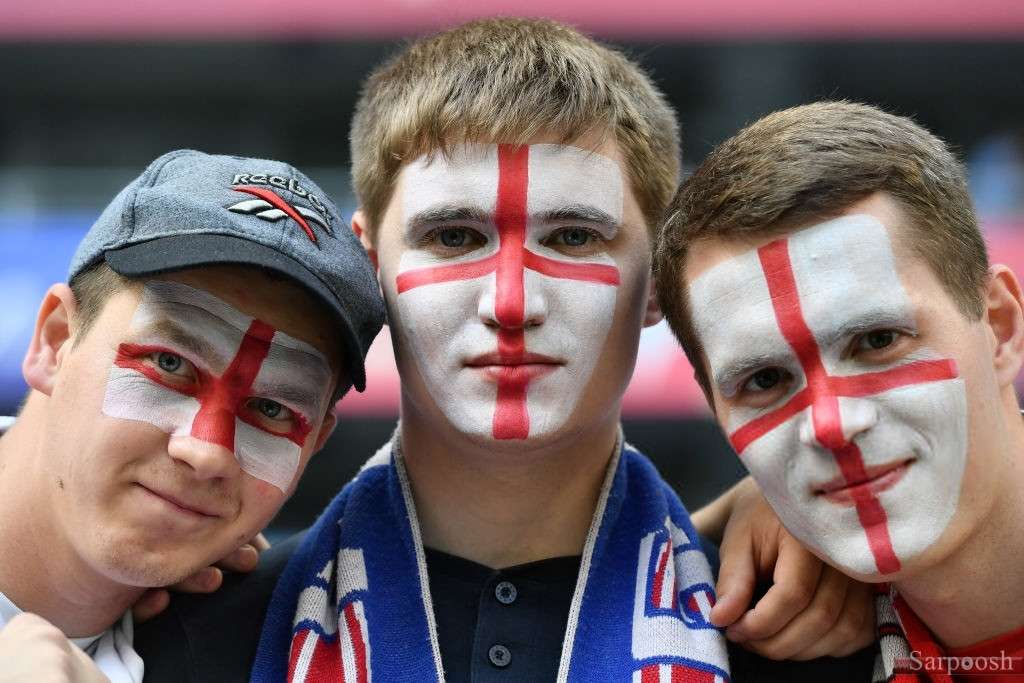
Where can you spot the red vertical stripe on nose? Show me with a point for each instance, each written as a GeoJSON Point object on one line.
{"type": "Point", "coordinates": [511, 419]}
{"type": "Point", "coordinates": [510, 216]}
{"type": "Point", "coordinates": [220, 398]}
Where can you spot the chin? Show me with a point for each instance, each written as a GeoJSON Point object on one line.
{"type": "Point", "coordinates": [146, 570]}
{"type": "Point", "coordinates": [131, 562]}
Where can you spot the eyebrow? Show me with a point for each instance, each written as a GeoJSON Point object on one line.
{"type": "Point", "coordinates": [446, 214]}
{"type": "Point", "coordinates": [579, 212]}
{"type": "Point", "coordinates": [175, 334]}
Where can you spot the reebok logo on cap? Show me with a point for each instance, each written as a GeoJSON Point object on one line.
{"type": "Point", "coordinates": [270, 206]}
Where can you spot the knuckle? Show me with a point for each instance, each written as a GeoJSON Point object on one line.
{"type": "Point", "coordinates": [796, 593]}
{"type": "Point", "coordinates": [825, 614]}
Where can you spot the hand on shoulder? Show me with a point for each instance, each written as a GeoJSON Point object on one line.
{"type": "Point", "coordinates": [33, 649]}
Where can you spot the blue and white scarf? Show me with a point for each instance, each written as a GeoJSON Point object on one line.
{"type": "Point", "coordinates": [354, 603]}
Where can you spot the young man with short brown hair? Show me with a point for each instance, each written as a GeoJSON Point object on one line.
{"type": "Point", "coordinates": [826, 276]}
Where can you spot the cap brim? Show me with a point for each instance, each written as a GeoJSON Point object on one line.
{"type": "Point", "coordinates": [178, 252]}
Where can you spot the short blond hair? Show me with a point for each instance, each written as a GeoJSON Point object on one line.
{"type": "Point", "coordinates": [507, 80]}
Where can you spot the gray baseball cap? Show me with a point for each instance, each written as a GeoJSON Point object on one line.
{"type": "Point", "coordinates": [189, 209]}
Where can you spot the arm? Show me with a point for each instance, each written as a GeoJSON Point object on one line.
{"type": "Point", "coordinates": [810, 610]}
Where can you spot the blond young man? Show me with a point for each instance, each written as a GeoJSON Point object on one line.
{"type": "Point", "coordinates": [826, 276]}
{"type": "Point", "coordinates": [509, 173]}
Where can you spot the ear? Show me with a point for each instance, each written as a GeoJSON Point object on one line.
{"type": "Point", "coordinates": [326, 429]}
{"type": "Point", "coordinates": [652, 312]}
{"type": "Point", "coordinates": [51, 339]}
{"type": "Point", "coordinates": [359, 227]}
{"type": "Point", "coordinates": [1005, 317]}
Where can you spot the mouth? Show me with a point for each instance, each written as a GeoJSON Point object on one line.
{"type": "Point", "coordinates": [876, 479]}
{"type": "Point", "coordinates": [522, 367]}
{"type": "Point", "coordinates": [182, 505]}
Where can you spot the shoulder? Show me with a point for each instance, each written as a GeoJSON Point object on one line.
{"type": "Point", "coordinates": [213, 637]}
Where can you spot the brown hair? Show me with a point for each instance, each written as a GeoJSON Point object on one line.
{"type": "Point", "coordinates": [92, 287]}
{"type": "Point", "coordinates": [811, 162]}
{"type": "Point", "coordinates": [506, 80]}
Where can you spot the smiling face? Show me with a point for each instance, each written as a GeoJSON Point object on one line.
{"type": "Point", "coordinates": [515, 279]}
{"type": "Point", "coordinates": [183, 419]}
{"type": "Point", "coordinates": [840, 370]}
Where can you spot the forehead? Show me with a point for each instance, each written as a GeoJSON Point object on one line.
{"type": "Point", "coordinates": [553, 177]}
{"type": "Point", "coordinates": [844, 271]}
{"type": "Point", "coordinates": [279, 301]}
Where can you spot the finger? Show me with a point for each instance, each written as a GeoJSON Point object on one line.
{"type": "Point", "coordinates": [853, 630]}
{"type": "Point", "coordinates": [796, 577]}
{"type": "Point", "coordinates": [260, 542]}
{"type": "Point", "coordinates": [205, 580]}
{"type": "Point", "coordinates": [242, 559]}
{"type": "Point", "coordinates": [84, 670]}
{"type": "Point", "coordinates": [736, 577]}
{"type": "Point", "coordinates": [818, 618]}
{"type": "Point", "coordinates": [153, 602]}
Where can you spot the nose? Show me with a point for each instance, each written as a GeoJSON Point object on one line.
{"type": "Point", "coordinates": [207, 460]}
{"type": "Point", "coordinates": [834, 422]}
{"type": "Point", "coordinates": [514, 302]}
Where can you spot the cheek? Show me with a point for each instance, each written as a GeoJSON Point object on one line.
{"type": "Point", "coordinates": [429, 318]}
{"type": "Point", "coordinates": [261, 502]}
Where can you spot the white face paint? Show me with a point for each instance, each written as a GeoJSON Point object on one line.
{"type": "Point", "coordinates": [894, 421]}
{"type": "Point", "coordinates": [196, 367]}
{"type": "Point", "coordinates": [506, 334]}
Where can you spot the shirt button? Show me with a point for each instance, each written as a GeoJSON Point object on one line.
{"type": "Point", "coordinates": [500, 656]}
{"type": "Point", "coordinates": [506, 592]}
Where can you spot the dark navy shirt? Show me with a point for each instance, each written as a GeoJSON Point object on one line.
{"type": "Point", "coordinates": [500, 624]}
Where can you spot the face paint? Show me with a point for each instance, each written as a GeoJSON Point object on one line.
{"type": "Point", "coordinates": [231, 362]}
{"type": "Point", "coordinates": [506, 335]}
{"type": "Point", "coordinates": [804, 306]}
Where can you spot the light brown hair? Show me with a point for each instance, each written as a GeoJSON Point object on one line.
{"type": "Point", "coordinates": [506, 80]}
{"type": "Point", "coordinates": [811, 162]}
{"type": "Point", "coordinates": [92, 288]}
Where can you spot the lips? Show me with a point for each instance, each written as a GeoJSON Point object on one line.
{"type": "Point", "coordinates": [185, 504]}
{"type": "Point", "coordinates": [492, 359]}
{"type": "Point", "coordinates": [519, 369]}
{"type": "Point", "coordinates": [876, 479]}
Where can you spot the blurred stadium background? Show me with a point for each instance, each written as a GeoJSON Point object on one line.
{"type": "Point", "coordinates": [92, 90]}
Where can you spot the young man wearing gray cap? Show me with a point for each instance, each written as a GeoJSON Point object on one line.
{"type": "Point", "coordinates": [178, 385]}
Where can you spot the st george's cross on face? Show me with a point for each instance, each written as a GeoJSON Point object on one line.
{"type": "Point", "coordinates": [859, 449]}
{"type": "Point", "coordinates": [508, 311]}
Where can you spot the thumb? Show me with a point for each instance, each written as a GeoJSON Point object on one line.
{"type": "Point", "coordinates": [736, 579]}
{"type": "Point", "coordinates": [83, 669]}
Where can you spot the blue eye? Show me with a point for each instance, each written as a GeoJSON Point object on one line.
{"type": "Point", "coordinates": [270, 409]}
{"type": "Point", "coordinates": [877, 339]}
{"type": "Point", "coordinates": [169, 362]}
{"type": "Point", "coordinates": [575, 237]}
{"type": "Point", "coordinates": [453, 238]}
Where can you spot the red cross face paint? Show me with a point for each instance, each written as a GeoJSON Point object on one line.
{"type": "Point", "coordinates": [505, 286]}
{"type": "Point", "coordinates": [198, 368]}
{"type": "Point", "coordinates": [856, 434]}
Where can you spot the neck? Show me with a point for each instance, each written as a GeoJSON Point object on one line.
{"type": "Point", "coordinates": [505, 504]}
{"type": "Point", "coordinates": [975, 592]}
{"type": "Point", "coordinates": [45, 575]}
